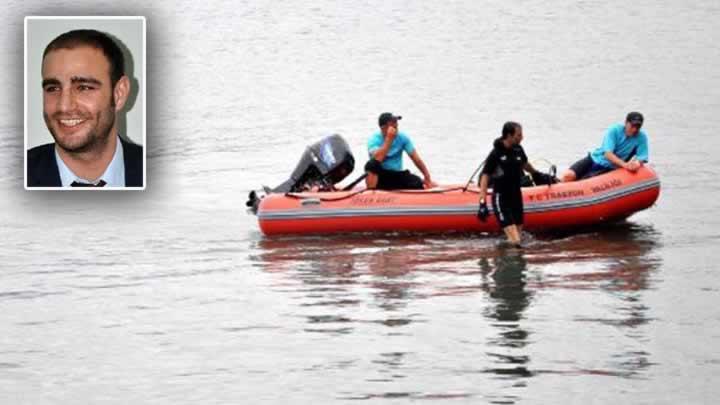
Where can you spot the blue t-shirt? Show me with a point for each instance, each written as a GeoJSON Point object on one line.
{"type": "Point", "coordinates": [393, 160]}
{"type": "Point", "coordinates": [617, 142]}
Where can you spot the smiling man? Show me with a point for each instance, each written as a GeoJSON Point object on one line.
{"type": "Point", "coordinates": [84, 90]}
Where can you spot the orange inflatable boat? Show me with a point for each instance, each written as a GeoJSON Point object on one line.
{"type": "Point", "coordinates": [609, 197]}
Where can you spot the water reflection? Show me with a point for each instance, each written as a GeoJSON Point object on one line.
{"type": "Point", "coordinates": [504, 279]}
{"type": "Point", "coordinates": [590, 286]}
{"type": "Point", "coordinates": [335, 274]}
{"type": "Point", "coordinates": [616, 258]}
{"type": "Point", "coordinates": [613, 266]}
{"type": "Point", "coordinates": [621, 261]}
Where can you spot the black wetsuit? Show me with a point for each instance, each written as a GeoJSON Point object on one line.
{"type": "Point", "coordinates": [505, 168]}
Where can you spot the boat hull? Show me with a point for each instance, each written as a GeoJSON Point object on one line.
{"type": "Point", "coordinates": [597, 200]}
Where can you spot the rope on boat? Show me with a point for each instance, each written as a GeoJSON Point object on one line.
{"type": "Point", "coordinates": [344, 197]}
{"type": "Point", "coordinates": [473, 175]}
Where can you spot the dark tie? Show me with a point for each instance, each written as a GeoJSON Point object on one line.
{"type": "Point", "coordinates": [100, 183]}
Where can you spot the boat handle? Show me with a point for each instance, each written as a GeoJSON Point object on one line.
{"type": "Point", "coordinates": [310, 201]}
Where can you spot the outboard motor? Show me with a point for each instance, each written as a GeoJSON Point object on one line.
{"type": "Point", "coordinates": [322, 165]}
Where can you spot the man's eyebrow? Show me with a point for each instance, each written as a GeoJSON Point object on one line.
{"type": "Point", "coordinates": [80, 79]}
{"type": "Point", "coordinates": [47, 82]}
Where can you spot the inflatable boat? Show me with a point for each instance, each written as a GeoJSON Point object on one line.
{"type": "Point", "coordinates": [288, 210]}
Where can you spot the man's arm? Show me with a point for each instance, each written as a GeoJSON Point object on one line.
{"type": "Point", "coordinates": [488, 167]}
{"type": "Point", "coordinates": [421, 166]}
{"type": "Point", "coordinates": [538, 177]}
{"type": "Point", "coordinates": [483, 211]}
{"type": "Point", "coordinates": [633, 165]}
{"type": "Point", "coordinates": [484, 180]}
{"type": "Point", "coordinates": [529, 168]}
{"type": "Point", "coordinates": [609, 144]}
{"type": "Point", "coordinates": [643, 154]}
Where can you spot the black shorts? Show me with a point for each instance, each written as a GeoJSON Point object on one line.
{"type": "Point", "coordinates": [393, 179]}
{"type": "Point", "coordinates": [586, 167]}
{"type": "Point", "coordinates": [508, 208]}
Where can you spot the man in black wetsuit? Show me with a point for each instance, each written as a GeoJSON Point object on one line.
{"type": "Point", "coordinates": [504, 166]}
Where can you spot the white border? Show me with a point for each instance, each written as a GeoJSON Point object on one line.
{"type": "Point", "coordinates": [144, 101]}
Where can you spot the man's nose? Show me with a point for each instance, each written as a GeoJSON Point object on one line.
{"type": "Point", "coordinates": [66, 101]}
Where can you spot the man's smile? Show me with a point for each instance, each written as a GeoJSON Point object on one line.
{"type": "Point", "coordinates": [70, 123]}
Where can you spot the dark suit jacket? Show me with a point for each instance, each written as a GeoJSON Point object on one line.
{"type": "Point", "coordinates": [42, 169]}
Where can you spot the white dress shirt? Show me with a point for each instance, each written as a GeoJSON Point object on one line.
{"type": "Point", "coordinates": [114, 174]}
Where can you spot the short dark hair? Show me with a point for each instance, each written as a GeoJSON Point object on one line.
{"type": "Point", "coordinates": [635, 118]}
{"type": "Point", "coordinates": [509, 129]}
{"type": "Point", "coordinates": [94, 39]}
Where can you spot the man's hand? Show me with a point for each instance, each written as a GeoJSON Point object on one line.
{"type": "Point", "coordinates": [633, 165]}
{"type": "Point", "coordinates": [389, 138]}
{"type": "Point", "coordinates": [428, 183]}
{"type": "Point", "coordinates": [391, 133]}
{"type": "Point", "coordinates": [483, 212]}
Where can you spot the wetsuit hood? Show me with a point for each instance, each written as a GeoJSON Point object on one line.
{"type": "Point", "coordinates": [499, 145]}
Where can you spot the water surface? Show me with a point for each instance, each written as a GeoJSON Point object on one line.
{"type": "Point", "coordinates": [172, 295]}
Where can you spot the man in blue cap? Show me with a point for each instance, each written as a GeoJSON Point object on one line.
{"type": "Point", "coordinates": [624, 145]}
{"type": "Point", "coordinates": [385, 169]}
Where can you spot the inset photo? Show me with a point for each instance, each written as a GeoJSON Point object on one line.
{"type": "Point", "coordinates": [85, 103]}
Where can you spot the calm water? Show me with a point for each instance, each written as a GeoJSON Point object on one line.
{"type": "Point", "coordinates": [173, 296]}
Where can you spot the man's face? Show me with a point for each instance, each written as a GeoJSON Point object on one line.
{"type": "Point", "coordinates": [631, 129]}
{"type": "Point", "coordinates": [387, 126]}
{"type": "Point", "coordinates": [517, 137]}
{"type": "Point", "coordinates": [79, 104]}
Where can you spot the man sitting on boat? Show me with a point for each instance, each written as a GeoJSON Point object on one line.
{"type": "Point", "coordinates": [385, 168]}
{"type": "Point", "coordinates": [623, 146]}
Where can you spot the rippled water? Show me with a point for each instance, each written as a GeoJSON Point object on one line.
{"type": "Point", "coordinates": [172, 295]}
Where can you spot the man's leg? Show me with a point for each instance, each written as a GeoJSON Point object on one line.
{"type": "Point", "coordinates": [372, 168]}
{"type": "Point", "coordinates": [371, 180]}
{"type": "Point", "coordinates": [395, 180]}
{"type": "Point", "coordinates": [578, 169]}
{"type": "Point", "coordinates": [519, 214]}
{"type": "Point", "coordinates": [513, 234]}
{"type": "Point", "coordinates": [568, 176]}
{"type": "Point", "coordinates": [410, 181]}
{"type": "Point", "coordinates": [506, 208]}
